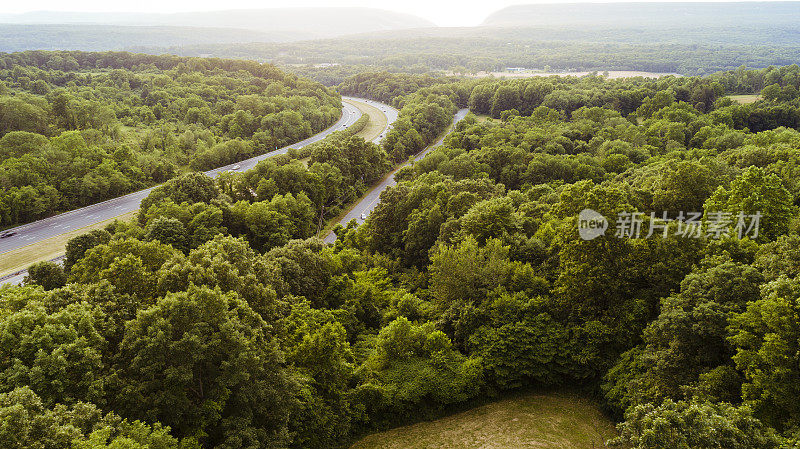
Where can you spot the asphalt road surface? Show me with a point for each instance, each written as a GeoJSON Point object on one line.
{"type": "Point", "coordinates": [390, 113]}
{"type": "Point", "coordinates": [373, 197]}
{"type": "Point", "coordinates": [37, 231]}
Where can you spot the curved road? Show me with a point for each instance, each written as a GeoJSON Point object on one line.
{"type": "Point", "coordinates": [37, 231]}
{"type": "Point", "coordinates": [390, 113]}
{"type": "Point", "coordinates": [373, 197]}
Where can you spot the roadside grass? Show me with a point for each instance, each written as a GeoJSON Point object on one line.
{"type": "Point", "coordinates": [560, 420]}
{"type": "Point", "coordinates": [21, 258]}
{"type": "Point", "coordinates": [377, 121]}
{"type": "Point", "coordinates": [745, 99]}
{"type": "Point", "coordinates": [331, 223]}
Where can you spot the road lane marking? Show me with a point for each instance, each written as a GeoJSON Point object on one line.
{"type": "Point", "coordinates": [350, 115]}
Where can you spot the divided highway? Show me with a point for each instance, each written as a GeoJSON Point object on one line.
{"type": "Point", "coordinates": [388, 111]}
{"type": "Point", "coordinates": [56, 225]}
{"type": "Point", "coordinates": [37, 231]}
{"type": "Point", "coordinates": [373, 197]}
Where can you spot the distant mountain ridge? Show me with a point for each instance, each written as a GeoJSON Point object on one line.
{"type": "Point", "coordinates": [648, 14]}
{"type": "Point", "coordinates": [294, 23]}
{"type": "Point", "coordinates": [18, 37]}
{"type": "Point", "coordinates": [752, 33]}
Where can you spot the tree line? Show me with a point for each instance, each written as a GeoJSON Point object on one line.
{"type": "Point", "coordinates": [77, 128]}
{"type": "Point", "coordinates": [686, 50]}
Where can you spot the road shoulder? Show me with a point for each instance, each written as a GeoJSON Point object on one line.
{"type": "Point", "coordinates": [21, 258]}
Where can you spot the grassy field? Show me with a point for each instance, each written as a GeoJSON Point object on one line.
{"type": "Point", "coordinates": [377, 121]}
{"type": "Point", "coordinates": [545, 421]}
{"type": "Point", "coordinates": [745, 99]}
{"type": "Point", "coordinates": [20, 259]}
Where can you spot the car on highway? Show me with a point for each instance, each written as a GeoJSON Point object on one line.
{"type": "Point", "coordinates": [7, 234]}
{"type": "Point", "coordinates": [236, 167]}
{"type": "Point", "coordinates": [363, 216]}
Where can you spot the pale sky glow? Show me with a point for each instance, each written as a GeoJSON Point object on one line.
{"type": "Point", "coordinates": [441, 12]}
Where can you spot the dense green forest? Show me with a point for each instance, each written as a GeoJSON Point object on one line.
{"type": "Point", "coordinates": [389, 87]}
{"type": "Point", "coordinates": [680, 49]}
{"type": "Point", "coordinates": [77, 128]}
{"type": "Point", "coordinates": [218, 320]}
{"type": "Point", "coordinates": [335, 75]}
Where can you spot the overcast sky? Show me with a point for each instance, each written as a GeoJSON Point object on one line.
{"type": "Point", "coordinates": [441, 12]}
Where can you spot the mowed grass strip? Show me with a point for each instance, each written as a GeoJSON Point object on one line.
{"type": "Point", "coordinates": [377, 120]}
{"type": "Point", "coordinates": [547, 421]}
{"type": "Point", "coordinates": [21, 258]}
{"type": "Point", "coordinates": [745, 99]}
{"type": "Point", "coordinates": [331, 223]}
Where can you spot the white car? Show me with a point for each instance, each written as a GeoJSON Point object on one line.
{"type": "Point", "coordinates": [363, 216]}
{"type": "Point", "coordinates": [236, 167]}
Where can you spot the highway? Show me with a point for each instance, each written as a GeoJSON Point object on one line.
{"type": "Point", "coordinates": [390, 113]}
{"type": "Point", "coordinates": [373, 197]}
{"type": "Point", "coordinates": [38, 231]}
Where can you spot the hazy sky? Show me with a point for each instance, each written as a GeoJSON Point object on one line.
{"type": "Point", "coordinates": [441, 12]}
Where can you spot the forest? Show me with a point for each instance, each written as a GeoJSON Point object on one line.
{"type": "Point", "coordinates": [78, 128]}
{"type": "Point", "coordinates": [218, 319]}
{"type": "Point", "coordinates": [681, 49]}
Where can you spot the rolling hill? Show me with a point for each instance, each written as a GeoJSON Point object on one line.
{"type": "Point", "coordinates": [648, 15]}
{"type": "Point", "coordinates": [287, 23]}
{"type": "Point", "coordinates": [19, 37]}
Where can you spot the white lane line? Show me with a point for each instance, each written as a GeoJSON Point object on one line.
{"type": "Point", "coordinates": [352, 115]}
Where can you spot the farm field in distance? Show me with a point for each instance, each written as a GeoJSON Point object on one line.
{"type": "Point", "coordinates": [526, 73]}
